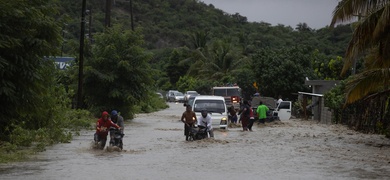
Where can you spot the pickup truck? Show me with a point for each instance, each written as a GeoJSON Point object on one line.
{"type": "Point", "coordinates": [281, 111]}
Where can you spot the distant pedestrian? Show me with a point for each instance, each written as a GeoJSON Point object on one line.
{"type": "Point", "coordinates": [262, 112]}
{"type": "Point", "coordinates": [251, 118]}
{"type": "Point", "coordinates": [244, 115]}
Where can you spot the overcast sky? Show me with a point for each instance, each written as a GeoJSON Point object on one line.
{"type": "Point", "coordinates": [315, 13]}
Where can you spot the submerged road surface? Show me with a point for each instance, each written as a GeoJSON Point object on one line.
{"type": "Point", "coordinates": [155, 148]}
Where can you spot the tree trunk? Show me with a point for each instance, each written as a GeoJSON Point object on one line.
{"type": "Point", "coordinates": [108, 13]}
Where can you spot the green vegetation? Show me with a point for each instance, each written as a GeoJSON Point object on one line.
{"type": "Point", "coordinates": [117, 75]}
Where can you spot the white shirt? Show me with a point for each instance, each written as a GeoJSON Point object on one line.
{"type": "Point", "coordinates": [207, 119]}
{"type": "Point", "coordinates": [279, 101]}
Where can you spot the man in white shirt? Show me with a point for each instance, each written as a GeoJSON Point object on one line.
{"type": "Point", "coordinates": [205, 120]}
{"type": "Point", "coordinates": [279, 100]}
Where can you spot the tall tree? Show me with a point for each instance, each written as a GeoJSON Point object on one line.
{"type": "Point", "coordinates": [282, 71]}
{"type": "Point", "coordinates": [217, 61]}
{"type": "Point", "coordinates": [371, 35]}
{"type": "Point", "coordinates": [118, 76]}
{"type": "Point", "coordinates": [28, 33]}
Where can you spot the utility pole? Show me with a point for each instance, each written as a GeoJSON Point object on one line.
{"type": "Point", "coordinates": [81, 57]}
{"type": "Point", "coordinates": [108, 14]}
{"type": "Point", "coordinates": [90, 25]}
{"type": "Point", "coordinates": [131, 15]}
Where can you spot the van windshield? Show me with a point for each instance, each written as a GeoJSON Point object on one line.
{"type": "Point", "coordinates": [213, 106]}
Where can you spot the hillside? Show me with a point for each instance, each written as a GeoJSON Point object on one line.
{"type": "Point", "coordinates": [170, 23]}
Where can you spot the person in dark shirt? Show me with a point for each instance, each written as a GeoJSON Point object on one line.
{"type": "Point", "coordinates": [244, 115]}
{"type": "Point", "coordinates": [189, 119]}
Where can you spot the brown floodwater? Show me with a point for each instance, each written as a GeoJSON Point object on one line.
{"type": "Point", "coordinates": [155, 148]}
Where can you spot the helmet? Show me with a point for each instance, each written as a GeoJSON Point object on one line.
{"type": "Point", "coordinates": [204, 113]}
{"type": "Point", "coordinates": [114, 113]}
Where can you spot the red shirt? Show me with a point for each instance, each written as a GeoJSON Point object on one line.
{"type": "Point", "coordinates": [104, 126]}
{"type": "Point", "coordinates": [251, 113]}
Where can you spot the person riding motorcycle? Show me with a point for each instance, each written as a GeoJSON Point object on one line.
{"type": "Point", "coordinates": [102, 127]}
{"type": "Point", "coordinates": [205, 120]}
{"type": "Point", "coordinates": [118, 120]}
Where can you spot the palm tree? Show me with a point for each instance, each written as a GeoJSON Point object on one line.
{"type": "Point", "coordinates": [372, 35]}
{"type": "Point", "coordinates": [217, 62]}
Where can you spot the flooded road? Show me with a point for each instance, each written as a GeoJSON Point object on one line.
{"type": "Point", "coordinates": [155, 148]}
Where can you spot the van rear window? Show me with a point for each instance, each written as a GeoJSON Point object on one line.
{"type": "Point", "coordinates": [226, 92]}
{"type": "Point", "coordinates": [216, 106]}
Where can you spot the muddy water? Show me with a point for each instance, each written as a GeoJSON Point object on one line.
{"type": "Point", "coordinates": [155, 148]}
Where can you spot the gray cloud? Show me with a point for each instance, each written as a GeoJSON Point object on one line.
{"type": "Point", "coordinates": [316, 13]}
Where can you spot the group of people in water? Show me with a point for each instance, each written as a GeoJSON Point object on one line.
{"type": "Point", "coordinates": [190, 120]}
{"type": "Point", "coordinates": [245, 116]}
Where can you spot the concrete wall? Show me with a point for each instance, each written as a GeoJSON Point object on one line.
{"type": "Point", "coordinates": [321, 113]}
{"type": "Point", "coordinates": [326, 114]}
{"type": "Point", "coordinates": [321, 86]}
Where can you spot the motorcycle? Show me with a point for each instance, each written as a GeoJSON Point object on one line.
{"type": "Point", "coordinates": [198, 133]}
{"type": "Point", "coordinates": [98, 142]}
{"type": "Point", "coordinates": [116, 139]}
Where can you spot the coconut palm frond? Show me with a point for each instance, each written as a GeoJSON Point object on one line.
{"type": "Point", "coordinates": [376, 60]}
{"type": "Point", "coordinates": [195, 68]}
{"type": "Point", "coordinates": [201, 55]}
{"type": "Point", "coordinates": [383, 22]}
{"type": "Point", "coordinates": [385, 46]}
{"type": "Point", "coordinates": [343, 12]}
{"type": "Point", "coordinates": [366, 83]}
{"type": "Point", "coordinates": [347, 10]}
{"type": "Point", "coordinates": [214, 67]}
{"type": "Point", "coordinates": [186, 61]}
{"type": "Point", "coordinates": [362, 39]}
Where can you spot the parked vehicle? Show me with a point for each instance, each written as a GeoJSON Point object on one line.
{"type": "Point", "coordinates": [215, 106]}
{"type": "Point", "coordinates": [170, 93]}
{"type": "Point", "coordinates": [176, 97]}
{"type": "Point", "coordinates": [160, 95]}
{"type": "Point", "coordinates": [283, 111]}
{"type": "Point", "coordinates": [280, 112]}
{"type": "Point", "coordinates": [231, 94]}
{"type": "Point", "coordinates": [189, 94]}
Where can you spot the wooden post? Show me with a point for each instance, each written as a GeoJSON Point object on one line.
{"type": "Point", "coordinates": [81, 57]}
{"type": "Point", "coordinates": [304, 106]}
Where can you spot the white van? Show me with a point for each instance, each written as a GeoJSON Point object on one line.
{"type": "Point", "coordinates": [216, 107]}
{"type": "Point", "coordinates": [283, 111]}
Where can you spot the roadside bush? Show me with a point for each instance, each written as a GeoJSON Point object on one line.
{"type": "Point", "coordinates": [335, 99]}
{"type": "Point", "coordinates": [154, 103]}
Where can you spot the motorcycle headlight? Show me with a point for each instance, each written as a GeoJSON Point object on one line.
{"type": "Point", "coordinates": [224, 119]}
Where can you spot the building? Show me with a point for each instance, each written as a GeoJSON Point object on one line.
{"type": "Point", "coordinates": [317, 107]}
